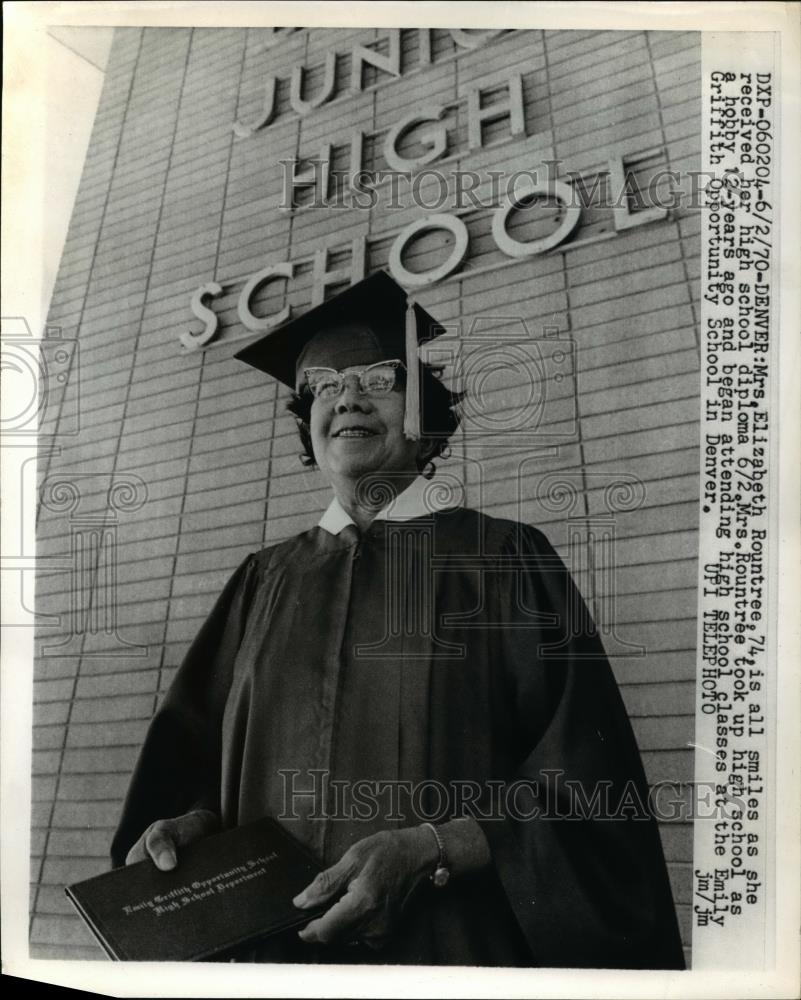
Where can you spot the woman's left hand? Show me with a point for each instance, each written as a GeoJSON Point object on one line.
{"type": "Point", "coordinates": [377, 875]}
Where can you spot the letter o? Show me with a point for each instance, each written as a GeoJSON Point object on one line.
{"type": "Point", "coordinates": [418, 792]}
{"type": "Point", "coordinates": [514, 248]}
{"type": "Point", "coordinates": [410, 279]}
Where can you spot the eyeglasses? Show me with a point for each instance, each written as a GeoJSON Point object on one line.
{"type": "Point", "coordinates": [375, 380]}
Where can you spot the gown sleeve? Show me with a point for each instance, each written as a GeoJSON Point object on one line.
{"type": "Point", "coordinates": [178, 768]}
{"type": "Point", "coordinates": [587, 882]}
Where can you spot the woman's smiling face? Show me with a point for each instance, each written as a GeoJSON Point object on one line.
{"type": "Point", "coordinates": [356, 434]}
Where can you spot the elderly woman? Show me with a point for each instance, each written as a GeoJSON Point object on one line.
{"type": "Point", "coordinates": [383, 682]}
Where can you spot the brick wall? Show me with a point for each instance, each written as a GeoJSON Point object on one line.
{"type": "Point", "coordinates": [185, 462]}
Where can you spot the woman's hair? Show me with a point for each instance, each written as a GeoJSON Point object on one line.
{"type": "Point", "coordinates": [440, 417]}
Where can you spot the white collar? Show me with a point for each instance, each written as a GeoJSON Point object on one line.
{"type": "Point", "coordinates": [413, 502]}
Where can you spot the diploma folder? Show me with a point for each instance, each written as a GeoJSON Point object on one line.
{"type": "Point", "coordinates": [227, 890]}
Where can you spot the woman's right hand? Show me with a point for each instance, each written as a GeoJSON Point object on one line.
{"type": "Point", "coordinates": [161, 839]}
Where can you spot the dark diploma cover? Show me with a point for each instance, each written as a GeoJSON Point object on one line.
{"type": "Point", "coordinates": [228, 890]}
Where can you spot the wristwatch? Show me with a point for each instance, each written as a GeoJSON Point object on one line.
{"type": "Point", "coordinates": [442, 872]}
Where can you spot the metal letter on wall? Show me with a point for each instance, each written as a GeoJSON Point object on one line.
{"type": "Point", "coordinates": [514, 248]}
{"type": "Point", "coordinates": [424, 46]}
{"type": "Point", "coordinates": [389, 63]}
{"type": "Point", "coordinates": [259, 324]}
{"type": "Point", "coordinates": [302, 105]}
{"type": "Point", "coordinates": [473, 39]}
{"type": "Point", "coordinates": [278, 34]}
{"type": "Point", "coordinates": [436, 138]}
{"type": "Point", "coordinates": [192, 341]}
{"type": "Point", "coordinates": [622, 214]}
{"type": "Point", "coordinates": [419, 279]}
{"type": "Point", "coordinates": [322, 277]}
{"type": "Point", "coordinates": [244, 129]}
{"type": "Point", "coordinates": [512, 107]}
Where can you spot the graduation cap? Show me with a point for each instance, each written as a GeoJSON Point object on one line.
{"type": "Point", "coordinates": [373, 320]}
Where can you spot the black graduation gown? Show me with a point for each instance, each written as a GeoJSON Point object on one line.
{"type": "Point", "coordinates": [433, 656]}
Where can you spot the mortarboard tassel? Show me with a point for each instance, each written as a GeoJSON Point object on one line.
{"type": "Point", "coordinates": [411, 420]}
